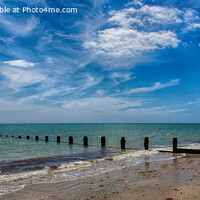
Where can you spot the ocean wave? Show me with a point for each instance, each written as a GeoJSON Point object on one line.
{"type": "Point", "coordinates": [80, 169]}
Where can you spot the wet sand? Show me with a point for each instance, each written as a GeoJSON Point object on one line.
{"type": "Point", "coordinates": [173, 180]}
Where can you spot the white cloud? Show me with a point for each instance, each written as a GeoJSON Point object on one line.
{"type": "Point", "coordinates": [100, 92]}
{"type": "Point", "coordinates": [20, 63]}
{"type": "Point", "coordinates": [135, 2]}
{"type": "Point", "coordinates": [12, 110]}
{"type": "Point", "coordinates": [192, 27]}
{"type": "Point", "coordinates": [156, 86]}
{"type": "Point", "coordinates": [191, 103]}
{"type": "Point", "coordinates": [50, 60]}
{"type": "Point", "coordinates": [17, 77]}
{"type": "Point", "coordinates": [156, 110]}
{"type": "Point", "coordinates": [123, 42]}
{"type": "Point", "coordinates": [119, 77]}
{"type": "Point", "coordinates": [19, 28]}
{"type": "Point", "coordinates": [190, 16]}
{"type": "Point", "coordinates": [48, 94]}
{"type": "Point", "coordinates": [89, 81]}
{"type": "Point", "coordinates": [197, 101]}
{"type": "Point", "coordinates": [6, 40]}
{"type": "Point", "coordinates": [94, 109]}
{"type": "Point", "coordinates": [145, 16]}
{"type": "Point", "coordinates": [53, 92]}
{"type": "Point", "coordinates": [30, 25]}
{"type": "Point", "coordinates": [134, 34]}
{"type": "Point", "coordinates": [50, 90]}
{"type": "Point", "coordinates": [100, 104]}
{"type": "Point", "coordinates": [149, 17]}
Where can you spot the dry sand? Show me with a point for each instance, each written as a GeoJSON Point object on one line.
{"type": "Point", "coordinates": [176, 179]}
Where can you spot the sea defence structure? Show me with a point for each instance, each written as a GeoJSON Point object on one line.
{"type": "Point", "coordinates": [182, 150]}
{"type": "Point", "coordinates": [85, 143]}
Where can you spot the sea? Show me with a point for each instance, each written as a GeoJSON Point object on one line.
{"type": "Point", "coordinates": [27, 161]}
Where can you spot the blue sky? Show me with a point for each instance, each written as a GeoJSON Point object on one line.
{"type": "Point", "coordinates": [112, 61]}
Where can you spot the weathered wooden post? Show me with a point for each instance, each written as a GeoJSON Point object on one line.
{"type": "Point", "coordinates": [27, 137]}
{"type": "Point", "coordinates": [70, 139]}
{"type": "Point", "coordinates": [175, 145]}
{"type": "Point", "coordinates": [58, 139]}
{"type": "Point", "coordinates": [146, 143]}
{"type": "Point", "coordinates": [20, 137]}
{"type": "Point", "coordinates": [123, 143]}
{"type": "Point", "coordinates": [103, 141]}
{"type": "Point", "coordinates": [85, 141]}
{"type": "Point", "coordinates": [46, 138]}
{"type": "Point", "coordinates": [13, 136]}
{"type": "Point", "coordinates": [36, 138]}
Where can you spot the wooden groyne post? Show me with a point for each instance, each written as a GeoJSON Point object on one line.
{"type": "Point", "coordinates": [27, 137]}
{"type": "Point", "coordinates": [103, 141]}
{"type": "Point", "coordinates": [183, 150]}
{"type": "Point", "coordinates": [85, 141]}
{"type": "Point", "coordinates": [146, 143]}
{"type": "Point", "coordinates": [37, 138]}
{"type": "Point", "coordinates": [46, 138]}
{"type": "Point", "coordinates": [58, 139]}
{"type": "Point", "coordinates": [175, 145]}
{"type": "Point", "coordinates": [123, 143]}
{"type": "Point", "coordinates": [71, 140]}
{"type": "Point", "coordinates": [20, 137]}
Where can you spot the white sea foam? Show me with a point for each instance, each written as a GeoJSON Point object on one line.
{"type": "Point", "coordinates": [81, 169]}
{"type": "Point", "coordinates": [5, 189]}
{"type": "Point", "coordinates": [134, 154]}
{"type": "Point", "coordinates": [45, 171]}
{"type": "Point", "coordinates": [192, 146]}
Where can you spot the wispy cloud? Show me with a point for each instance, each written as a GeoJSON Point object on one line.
{"type": "Point", "coordinates": [45, 95]}
{"type": "Point", "coordinates": [100, 92]}
{"type": "Point", "coordinates": [90, 81]}
{"type": "Point", "coordinates": [19, 28]}
{"type": "Point", "coordinates": [158, 109]}
{"type": "Point", "coordinates": [156, 86]}
{"type": "Point", "coordinates": [134, 2]}
{"type": "Point", "coordinates": [19, 63]}
{"type": "Point", "coordinates": [100, 104]}
{"type": "Point", "coordinates": [93, 109]}
{"type": "Point", "coordinates": [197, 101]}
{"type": "Point", "coordinates": [16, 78]}
{"type": "Point", "coordinates": [119, 77]}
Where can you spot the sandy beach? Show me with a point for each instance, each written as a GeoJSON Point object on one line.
{"type": "Point", "coordinates": [163, 180]}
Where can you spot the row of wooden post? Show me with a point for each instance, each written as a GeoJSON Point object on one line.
{"type": "Point", "coordinates": [85, 141]}
{"type": "Point", "coordinates": [122, 143]}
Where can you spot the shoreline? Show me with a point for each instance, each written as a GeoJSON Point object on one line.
{"type": "Point", "coordinates": [166, 178]}
{"type": "Point", "coordinates": [40, 163]}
